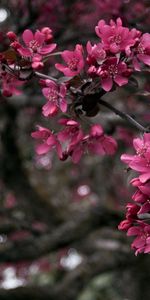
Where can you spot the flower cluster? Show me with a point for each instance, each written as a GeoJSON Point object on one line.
{"type": "Point", "coordinates": [138, 212]}
{"type": "Point", "coordinates": [36, 45]}
{"type": "Point", "coordinates": [74, 61]}
{"type": "Point", "coordinates": [56, 96]}
{"type": "Point", "coordinates": [71, 141]}
{"type": "Point", "coordinates": [88, 74]}
{"type": "Point", "coordinates": [119, 52]}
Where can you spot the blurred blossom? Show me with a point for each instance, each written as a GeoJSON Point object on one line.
{"type": "Point", "coordinates": [44, 161]}
{"type": "Point", "coordinates": [83, 190]}
{"type": "Point", "coordinates": [3, 15]}
{"type": "Point", "coordinates": [71, 260]}
{"type": "Point", "coordinates": [3, 238]}
{"type": "Point", "coordinates": [10, 200]}
{"type": "Point", "coordinates": [10, 280]}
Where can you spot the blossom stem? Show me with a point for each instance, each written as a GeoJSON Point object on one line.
{"type": "Point", "coordinates": [43, 76]}
{"type": "Point", "coordinates": [50, 55]}
{"type": "Point", "coordinates": [124, 116]}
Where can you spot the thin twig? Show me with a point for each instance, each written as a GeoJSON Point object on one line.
{"type": "Point", "coordinates": [124, 116]}
{"type": "Point", "coordinates": [43, 76]}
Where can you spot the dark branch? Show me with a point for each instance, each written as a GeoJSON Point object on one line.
{"type": "Point", "coordinates": [124, 116]}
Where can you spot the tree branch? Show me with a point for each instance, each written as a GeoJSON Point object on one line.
{"type": "Point", "coordinates": [124, 116]}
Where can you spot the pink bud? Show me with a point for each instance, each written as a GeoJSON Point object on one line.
{"type": "Point", "coordinates": [12, 36]}
{"type": "Point", "coordinates": [15, 45]}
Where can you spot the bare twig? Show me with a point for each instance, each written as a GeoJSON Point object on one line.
{"type": "Point", "coordinates": [124, 116]}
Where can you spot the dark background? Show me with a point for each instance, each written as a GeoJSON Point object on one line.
{"type": "Point", "coordinates": [58, 221]}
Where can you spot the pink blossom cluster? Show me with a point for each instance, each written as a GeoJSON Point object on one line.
{"type": "Point", "coordinates": [138, 213]}
{"type": "Point", "coordinates": [113, 59]}
{"type": "Point", "coordinates": [99, 67]}
{"type": "Point", "coordinates": [119, 52]}
{"type": "Point", "coordinates": [56, 98]}
{"type": "Point", "coordinates": [35, 45]}
{"type": "Point", "coordinates": [88, 74]}
{"type": "Point", "coordinates": [71, 141]}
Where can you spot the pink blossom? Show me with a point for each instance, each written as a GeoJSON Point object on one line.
{"type": "Point", "coordinates": [72, 131]}
{"type": "Point", "coordinates": [99, 143]}
{"type": "Point", "coordinates": [71, 138]}
{"type": "Point", "coordinates": [96, 53]}
{"type": "Point", "coordinates": [56, 96]}
{"type": "Point", "coordinates": [74, 62]}
{"type": "Point", "coordinates": [132, 210]}
{"type": "Point", "coordinates": [36, 46]}
{"type": "Point", "coordinates": [139, 197]}
{"type": "Point", "coordinates": [48, 139]}
{"type": "Point", "coordinates": [37, 61]}
{"type": "Point", "coordinates": [145, 207]}
{"type": "Point", "coordinates": [124, 225]}
{"type": "Point", "coordinates": [142, 52]}
{"type": "Point", "coordinates": [48, 33]}
{"type": "Point", "coordinates": [141, 161]}
{"type": "Point", "coordinates": [95, 142]}
{"type": "Point", "coordinates": [76, 143]}
{"type": "Point", "coordinates": [115, 37]}
{"type": "Point", "coordinates": [142, 241]}
{"type": "Point", "coordinates": [112, 70]}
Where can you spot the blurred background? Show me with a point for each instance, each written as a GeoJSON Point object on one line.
{"type": "Point", "coordinates": [58, 221]}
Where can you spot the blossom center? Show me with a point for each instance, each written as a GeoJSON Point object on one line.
{"type": "Point", "coordinates": [101, 54]}
{"type": "Point", "coordinates": [72, 64]}
{"type": "Point", "coordinates": [34, 45]}
{"type": "Point", "coordinates": [116, 39]}
{"type": "Point", "coordinates": [52, 95]}
{"type": "Point", "coordinates": [113, 70]}
{"type": "Point", "coordinates": [141, 49]}
{"type": "Point", "coordinates": [141, 151]}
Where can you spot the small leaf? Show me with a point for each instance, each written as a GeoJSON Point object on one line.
{"type": "Point", "coordinates": [10, 54]}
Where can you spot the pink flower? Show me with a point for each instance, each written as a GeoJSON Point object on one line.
{"type": "Point", "coordinates": [112, 70]}
{"type": "Point", "coordinates": [141, 161]}
{"type": "Point", "coordinates": [75, 143]}
{"type": "Point", "coordinates": [96, 53]}
{"type": "Point", "coordinates": [70, 138]}
{"type": "Point", "coordinates": [124, 225]}
{"type": "Point", "coordinates": [48, 33]}
{"type": "Point", "coordinates": [71, 135]}
{"type": "Point", "coordinates": [142, 52]}
{"type": "Point", "coordinates": [55, 95]}
{"type": "Point", "coordinates": [36, 46]}
{"type": "Point", "coordinates": [142, 241]}
{"type": "Point", "coordinates": [71, 132]}
{"type": "Point", "coordinates": [115, 37]}
{"type": "Point", "coordinates": [49, 141]}
{"type": "Point", "coordinates": [135, 213]}
{"type": "Point", "coordinates": [74, 62]}
{"type": "Point", "coordinates": [132, 210]}
{"type": "Point", "coordinates": [139, 197]}
{"type": "Point", "coordinates": [100, 144]}
{"type": "Point", "coordinates": [37, 61]}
